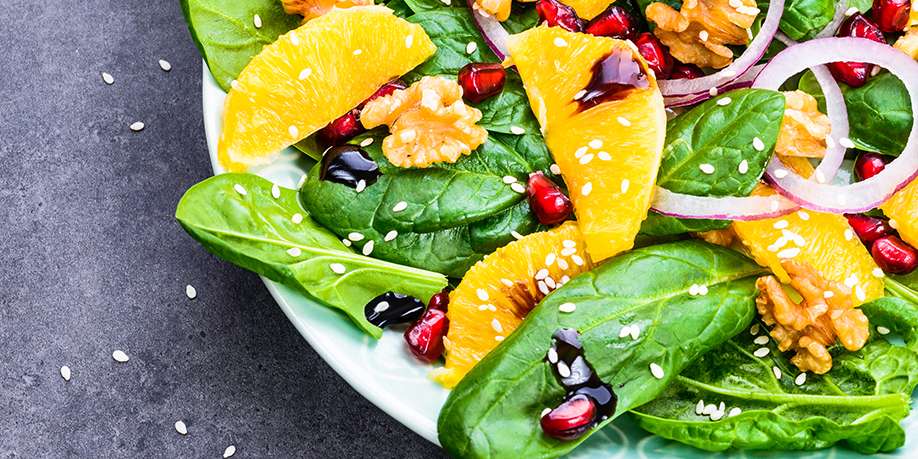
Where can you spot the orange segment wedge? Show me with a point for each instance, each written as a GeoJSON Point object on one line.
{"type": "Point", "coordinates": [609, 154]}
{"type": "Point", "coordinates": [588, 9]}
{"type": "Point", "coordinates": [500, 290]}
{"type": "Point", "coordinates": [902, 209]}
{"type": "Point", "coordinates": [312, 75]}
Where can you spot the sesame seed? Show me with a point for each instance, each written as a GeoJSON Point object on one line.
{"type": "Point", "coordinates": [562, 264]}
{"type": "Point", "coordinates": [544, 412]}
{"type": "Point", "coordinates": [656, 371]}
{"type": "Point", "coordinates": [297, 218]}
{"type": "Point", "coordinates": [180, 428]}
{"type": "Point", "coordinates": [569, 243]}
{"type": "Point", "coordinates": [883, 330]}
{"type": "Point", "coordinates": [357, 52]}
{"type": "Point", "coordinates": [800, 379]}
{"type": "Point", "coordinates": [706, 168]}
{"type": "Point", "coordinates": [382, 306]}
{"type": "Point", "coordinates": [137, 126]}
{"type": "Point", "coordinates": [235, 85]}
{"type": "Point", "coordinates": [743, 167]}
{"type": "Point", "coordinates": [577, 260]}
{"type": "Point", "coordinates": [713, 91]}
{"type": "Point", "coordinates": [367, 142]}
{"type": "Point", "coordinates": [555, 169]}
{"type": "Point", "coordinates": [709, 409]}
{"type": "Point", "coordinates": [484, 307]}
{"type": "Point", "coordinates": [229, 451]}
{"type": "Point", "coordinates": [65, 373]}
{"type": "Point", "coordinates": [368, 247]}
{"type": "Point", "coordinates": [875, 70]}
{"type": "Point", "coordinates": [294, 251]}
{"type": "Point", "coordinates": [120, 356]}
{"type": "Point", "coordinates": [878, 273]}
{"type": "Point", "coordinates": [543, 287]}
{"type": "Point", "coordinates": [191, 292]}
{"type": "Point", "coordinates": [804, 215]}
{"type": "Point", "coordinates": [758, 144]}
{"type": "Point", "coordinates": [586, 158]}
{"type": "Point", "coordinates": [409, 40]}
{"type": "Point", "coordinates": [559, 42]}
{"type": "Point", "coordinates": [830, 141]}
{"type": "Point", "coordinates": [550, 259]}
{"type": "Point", "coordinates": [789, 253]}
{"type": "Point", "coordinates": [580, 152]}
{"type": "Point", "coordinates": [703, 35]}
{"type": "Point", "coordinates": [541, 274]}
{"type": "Point", "coordinates": [635, 331]}
{"type": "Point", "coordinates": [337, 268]}
{"type": "Point", "coordinates": [346, 242]}
{"type": "Point", "coordinates": [257, 21]}
{"type": "Point", "coordinates": [781, 173]}
{"type": "Point", "coordinates": [699, 407]}
{"type": "Point", "coordinates": [568, 251]}
{"type": "Point", "coordinates": [849, 234]}
{"type": "Point", "coordinates": [304, 74]}
{"type": "Point", "coordinates": [595, 144]}
{"type": "Point", "coordinates": [567, 307]}
{"type": "Point", "coordinates": [586, 188]}
{"type": "Point", "coordinates": [754, 329]}
{"type": "Point", "coordinates": [563, 370]}
{"type": "Point", "coordinates": [294, 132]}
{"type": "Point", "coordinates": [471, 47]}
{"type": "Point", "coordinates": [390, 235]}
{"type": "Point", "coordinates": [893, 223]}
{"type": "Point", "coordinates": [507, 282]}
{"type": "Point", "coordinates": [851, 281]}
{"type": "Point", "coordinates": [828, 294]}
{"type": "Point", "coordinates": [495, 324]}
{"type": "Point", "coordinates": [761, 340]}
{"type": "Point", "coordinates": [518, 187]}
{"type": "Point", "coordinates": [361, 185]}
{"type": "Point", "coordinates": [693, 290]}
{"type": "Point", "coordinates": [781, 224]}
{"type": "Point", "coordinates": [727, 73]}
{"type": "Point", "coordinates": [355, 236]}
{"type": "Point", "coordinates": [604, 155]}
{"type": "Point", "coordinates": [761, 352]}
{"type": "Point", "coordinates": [723, 101]}
{"type": "Point", "coordinates": [625, 331]}
{"type": "Point", "coordinates": [624, 186]}
{"type": "Point", "coordinates": [240, 189]}
{"type": "Point", "coordinates": [516, 130]}
{"type": "Point", "coordinates": [301, 181]}
{"type": "Point", "coordinates": [399, 206]}
{"type": "Point", "coordinates": [580, 94]}
{"type": "Point", "coordinates": [623, 121]}
{"type": "Point", "coordinates": [165, 65]}
{"type": "Point", "coordinates": [108, 78]}
{"type": "Point", "coordinates": [735, 411]}
{"type": "Point", "coordinates": [275, 191]}
{"type": "Point", "coordinates": [294, 39]}
{"type": "Point", "coordinates": [859, 293]}
{"type": "Point", "coordinates": [516, 235]}
{"type": "Point", "coordinates": [851, 11]}
{"type": "Point", "coordinates": [482, 295]}
{"type": "Point", "coordinates": [717, 415]}
{"type": "Point", "coordinates": [777, 372]}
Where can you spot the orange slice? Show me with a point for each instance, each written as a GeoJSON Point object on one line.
{"type": "Point", "coordinates": [902, 210]}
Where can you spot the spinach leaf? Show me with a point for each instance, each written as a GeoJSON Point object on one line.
{"type": "Point", "coordinates": [802, 19]}
{"type": "Point", "coordinates": [495, 409]}
{"type": "Point", "coordinates": [905, 286]}
{"type": "Point", "coordinates": [880, 113]}
{"type": "Point", "coordinates": [419, 6]}
{"type": "Point", "coordinates": [859, 402]}
{"type": "Point", "coordinates": [255, 231]}
{"type": "Point", "coordinates": [225, 33]}
{"type": "Point", "coordinates": [720, 136]}
{"type": "Point", "coordinates": [455, 214]}
{"type": "Point", "coordinates": [451, 30]}
{"type": "Point", "coordinates": [400, 8]}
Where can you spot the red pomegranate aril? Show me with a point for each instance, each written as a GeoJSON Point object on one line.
{"type": "Point", "coordinates": [891, 15]}
{"type": "Point", "coordinates": [425, 337]}
{"type": "Point", "coordinates": [481, 81]}
{"type": "Point", "coordinates": [558, 14]}
{"type": "Point", "coordinates": [385, 90]}
{"type": "Point", "coordinates": [656, 55]}
{"type": "Point", "coordinates": [894, 255]}
{"type": "Point", "coordinates": [570, 419]}
{"type": "Point", "coordinates": [855, 74]}
{"type": "Point", "coordinates": [869, 164]}
{"type": "Point", "coordinates": [614, 22]}
{"type": "Point", "coordinates": [549, 204]}
{"type": "Point", "coordinates": [439, 301]}
{"type": "Point", "coordinates": [685, 72]}
{"type": "Point", "coordinates": [868, 229]}
{"type": "Point", "coordinates": [340, 130]}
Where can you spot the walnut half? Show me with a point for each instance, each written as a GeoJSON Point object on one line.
{"type": "Point", "coordinates": [826, 313]}
{"type": "Point", "coordinates": [699, 32]}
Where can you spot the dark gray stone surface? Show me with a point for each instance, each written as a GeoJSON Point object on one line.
{"type": "Point", "coordinates": [91, 260]}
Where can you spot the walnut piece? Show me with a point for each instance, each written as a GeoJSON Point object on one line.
{"type": "Point", "coordinates": [698, 33]}
{"type": "Point", "coordinates": [908, 43]}
{"type": "Point", "coordinates": [723, 237]}
{"type": "Point", "coordinates": [811, 326]}
{"type": "Point", "coordinates": [310, 9]}
{"type": "Point", "coordinates": [428, 123]}
{"type": "Point", "coordinates": [804, 128]}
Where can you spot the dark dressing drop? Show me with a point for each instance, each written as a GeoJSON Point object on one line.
{"type": "Point", "coordinates": [614, 77]}
{"type": "Point", "coordinates": [348, 165]}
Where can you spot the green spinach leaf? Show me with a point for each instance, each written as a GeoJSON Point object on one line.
{"type": "Point", "coordinates": [257, 232]}
{"type": "Point", "coordinates": [225, 32]}
{"type": "Point", "coordinates": [719, 137]}
{"type": "Point", "coordinates": [859, 402]}
{"type": "Point", "coordinates": [879, 113]}
{"type": "Point", "coordinates": [451, 30]}
{"type": "Point", "coordinates": [905, 286]}
{"type": "Point", "coordinates": [495, 409]}
{"type": "Point", "coordinates": [802, 19]}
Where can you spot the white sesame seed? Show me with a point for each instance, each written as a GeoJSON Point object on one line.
{"type": "Point", "coordinates": [304, 74]}
{"type": "Point", "coordinates": [849, 234]}
{"type": "Point", "coordinates": [507, 282]}
{"type": "Point", "coordinates": [713, 91]}
{"type": "Point", "coordinates": [382, 306]}
{"type": "Point", "coordinates": [723, 101]}
{"type": "Point", "coordinates": [830, 141]}
{"type": "Point", "coordinates": [586, 188]}
{"type": "Point", "coordinates": [367, 142]}
{"type": "Point", "coordinates": [294, 132]}
{"type": "Point", "coordinates": [361, 185]}
{"type": "Point", "coordinates": [893, 223]}
{"type": "Point", "coordinates": [543, 287]}
{"type": "Point", "coordinates": [495, 324]}
{"type": "Point", "coordinates": [229, 451]}
{"type": "Point", "coordinates": [137, 126]}
{"type": "Point", "coordinates": [624, 185]}
{"type": "Point", "coordinates": [541, 274]}
{"type": "Point", "coordinates": [301, 181]}
{"type": "Point", "coordinates": [518, 187]}
{"type": "Point", "coordinates": [562, 264]}
{"type": "Point", "coordinates": [604, 155]}
{"type": "Point", "coordinates": [569, 243]}
{"type": "Point", "coordinates": [165, 65]}
{"type": "Point", "coordinates": [635, 331]}
{"type": "Point", "coordinates": [235, 85]}
{"type": "Point", "coordinates": [828, 294]}
{"type": "Point", "coordinates": [346, 242]}
{"type": "Point", "coordinates": [577, 260]}
{"type": "Point", "coordinates": [706, 168]}
{"type": "Point", "coordinates": [758, 144]}
{"type": "Point", "coordinates": [781, 173]}
{"type": "Point", "coordinates": [482, 295]}
{"type": "Point", "coordinates": [693, 290]}
{"type": "Point", "coordinates": [399, 206]}
{"type": "Point", "coordinates": [357, 52]}
{"type": "Point", "coordinates": [563, 370]}
{"type": "Point", "coordinates": [580, 152]}
{"type": "Point", "coordinates": [781, 224]}
{"type": "Point", "coordinates": [516, 130]}
{"type": "Point", "coordinates": [355, 236]}
{"type": "Point", "coordinates": [368, 247]}
{"type": "Point", "coordinates": [709, 409]}
{"type": "Point", "coordinates": [391, 235]}
{"type": "Point", "coordinates": [516, 235]}
{"type": "Point", "coordinates": [851, 11]}
{"type": "Point", "coordinates": [851, 281]}
{"type": "Point", "coordinates": [181, 428]}
{"type": "Point", "coordinates": [804, 215]}
{"type": "Point", "coordinates": [275, 191]}
{"type": "Point", "coordinates": [878, 273]}
{"type": "Point", "coordinates": [568, 251]}
{"type": "Point", "coordinates": [120, 356]}
{"type": "Point", "coordinates": [859, 293]}
{"type": "Point", "coordinates": [297, 218]}
{"type": "Point", "coordinates": [240, 189]}
{"type": "Point", "coordinates": [409, 40]}
{"type": "Point", "coordinates": [294, 251]}
{"type": "Point", "coordinates": [623, 121]}
{"type": "Point", "coordinates": [560, 42]}
{"type": "Point", "coordinates": [471, 47]}
{"type": "Point", "coordinates": [108, 78]}
{"type": "Point", "coordinates": [717, 415]}
{"type": "Point", "coordinates": [191, 292]}
{"type": "Point", "coordinates": [567, 307]}
{"type": "Point", "coordinates": [777, 372]}
{"type": "Point", "coordinates": [800, 379]}
{"type": "Point", "coordinates": [761, 340]}
{"type": "Point", "coordinates": [761, 352]}
{"type": "Point", "coordinates": [625, 331]}
{"type": "Point", "coordinates": [883, 330]}
{"type": "Point", "coordinates": [544, 412]}
{"type": "Point", "coordinates": [580, 94]}
{"type": "Point", "coordinates": [65, 373]}
{"type": "Point", "coordinates": [555, 169]}
{"type": "Point", "coordinates": [257, 21]}
{"type": "Point", "coordinates": [754, 329]}
{"type": "Point", "coordinates": [586, 158]}
{"type": "Point", "coordinates": [699, 407]}
{"type": "Point", "coordinates": [294, 39]}
{"type": "Point", "coordinates": [875, 70]}
{"type": "Point", "coordinates": [550, 259]}
{"type": "Point", "coordinates": [743, 167]}
{"type": "Point", "coordinates": [337, 268]}
{"type": "Point", "coordinates": [735, 411]}
{"type": "Point", "coordinates": [595, 144]}
{"type": "Point", "coordinates": [789, 253]}
{"type": "Point", "coordinates": [703, 35]}
{"type": "Point", "coordinates": [656, 371]}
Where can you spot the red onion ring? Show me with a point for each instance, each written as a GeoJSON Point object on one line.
{"type": "Point", "coordinates": [721, 79]}
{"type": "Point", "coordinates": [720, 207]}
{"type": "Point", "coordinates": [867, 194]}
{"type": "Point", "coordinates": [494, 34]}
{"type": "Point", "coordinates": [744, 81]}
{"type": "Point", "coordinates": [829, 30]}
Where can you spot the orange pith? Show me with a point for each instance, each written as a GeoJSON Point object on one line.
{"type": "Point", "coordinates": [312, 75]}
{"type": "Point", "coordinates": [608, 154]}
{"type": "Point", "coordinates": [502, 288]}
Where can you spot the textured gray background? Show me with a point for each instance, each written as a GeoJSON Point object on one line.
{"type": "Point", "coordinates": [91, 260]}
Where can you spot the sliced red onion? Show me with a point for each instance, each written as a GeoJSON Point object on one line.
{"type": "Point", "coordinates": [721, 79]}
{"type": "Point", "coordinates": [721, 208]}
{"type": "Point", "coordinates": [841, 7]}
{"type": "Point", "coordinates": [744, 81]}
{"type": "Point", "coordinates": [494, 34]}
{"type": "Point", "coordinates": [867, 194]}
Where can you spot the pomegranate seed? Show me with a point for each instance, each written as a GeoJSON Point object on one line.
{"type": "Point", "coordinates": [855, 74]}
{"type": "Point", "coordinates": [480, 81]}
{"type": "Point", "coordinates": [868, 229]}
{"type": "Point", "coordinates": [891, 15]}
{"type": "Point", "coordinates": [385, 90]}
{"type": "Point", "coordinates": [340, 130]}
{"type": "Point", "coordinates": [656, 55]}
{"type": "Point", "coordinates": [685, 71]}
{"type": "Point", "coordinates": [549, 204]}
{"type": "Point", "coordinates": [868, 165]}
{"type": "Point", "coordinates": [558, 14]}
{"type": "Point", "coordinates": [894, 256]}
{"type": "Point", "coordinates": [614, 22]}
{"type": "Point", "coordinates": [439, 301]}
{"type": "Point", "coordinates": [425, 337]}
{"type": "Point", "coordinates": [570, 419]}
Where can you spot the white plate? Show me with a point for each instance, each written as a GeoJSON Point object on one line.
{"type": "Point", "coordinates": [386, 374]}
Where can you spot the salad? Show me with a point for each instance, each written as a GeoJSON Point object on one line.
{"type": "Point", "coordinates": [702, 215]}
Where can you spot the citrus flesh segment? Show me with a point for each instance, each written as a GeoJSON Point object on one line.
{"type": "Point", "coordinates": [499, 291]}
{"type": "Point", "coordinates": [588, 9]}
{"type": "Point", "coordinates": [312, 75]}
{"type": "Point", "coordinates": [902, 209]}
{"type": "Point", "coordinates": [609, 154]}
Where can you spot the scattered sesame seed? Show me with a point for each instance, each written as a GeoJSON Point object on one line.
{"type": "Point", "coordinates": [878, 273]}
{"type": "Point", "coordinates": [893, 223]}
{"type": "Point", "coordinates": [191, 292]}
{"type": "Point", "coordinates": [297, 218]}
{"type": "Point", "coordinates": [804, 215]}
{"type": "Point", "coordinates": [586, 188]}
{"type": "Point", "coordinates": [471, 47]}
{"type": "Point", "coordinates": [382, 306]}
{"type": "Point", "coordinates": [295, 39]}
{"type": "Point", "coordinates": [235, 85]}
{"type": "Point", "coordinates": [495, 324]}
{"type": "Point", "coordinates": [883, 330]}
{"type": "Point", "coordinates": [567, 307]}
{"type": "Point", "coordinates": [361, 185]}
{"type": "Point", "coordinates": [562, 264]}
{"type": "Point", "coordinates": [851, 281]}
{"type": "Point", "coordinates": [699, 407]}
{"type": "Point", "coordinates": [367, 142]}
{"type": "Point", "coordinates": [875, 70]}
{"type": "Point", "coordinates": [544, 412]}
{"type": "Point", "coordinates": [859, 293]}
{"type": "Point", "coordinates": [65, 373]}
{"type": "Point", "coordinates": [717, 415]}
{"type": "Point", "coordinates": [518, 187]}
{"type": "Point", "coordinates": [569, 243]}
{"type": "Point", "coordinates": [181, 428]}
{"type": "Point", "coordinates": [301, 181]}
{"type": "Point", "coordinates": [543, 287]}
{"type": "Point", "coordinates": [754, 329]}
{"type": "Point", "coordinates": [355, 236]}
{"type": "Point", "coordinates": [482, 295]}
{"type": "Point", "coordinates": [625, 331]}
{"type": "Point", "coordinates": [635, 332]}
{"type": "Point", "coordinates": [849, 234]}
{"type": "Point", "coordinates": [399, 206]}
{"type": "Point", "coordinates": [240, 189]}
{"type": "Point", "coordinates": [727, 73]}
{"type": "Point", "coordinates": [580, 152]}
{"type": "Point", "coordinates": [761, 352]}
{"type": "Point", "coordinates": [137, 126]}
{"type": "Point", "coordinates": [390, 235]}
{"type": "Point", "coordinates": [830, 141]}
{"type": "Point", "coordinates": [851, 11]}
{"type": "Point", "coordinates": [516, 130]}
{"type": "Point", "coordinates": [723, 101]}
{"type": "Point", "coordinates": [777, 372]}
{"type": "Point", "coordinates": [703, 35]}
{"type": "Point", "coordinates": [735, 411]}
{"type": "Point", "coordinates": [346, 242]}
{"type": "Point", "coordinates": [580, 94]}
{"type": "Point", "coordinates": [108, 78]}
{"type": "Point", "coordinates": [337, 268]}
{"type": "Point", "coordinates": [516, 235]}
{"type": "Point", "coordinates": [743, 167]}
{"type": "Point", "coordinates": [656, 371]}
{"type": "Point", "coordinates": [563, 370]}
{"type": "Point", "coordinates": [120, 356]}
{"type": "Point", "coordinates": [800, 379]}
{"type": "Point", "coordinates": [165, 65]}
{"type": "Point", "coordinates": [368, 247]}
{"type": "Point", "coordinates": [781, 173]}
{"type": "Point", "coordinates": [229, 451]}
{"type": "Point", "coordinates": [625, 184]}
{"type": "Point", "coordinates": [828, 294]}
{"type": "Point", "coordinates": [709, 409]}
{"type": "Point", "coordinates": [541, 274]}
{"type": "Point", "coordinates": [294, 251]}
{"type": "Point", "coordinates": [595, 144]}
{"type": "Point", "coordinates": [507, 282]}
{"type": "Point", "coordinates": [693, 290]}
{"type": "Point", "coordinates": [713, 91]}
{"type": "Point", "coordinates": [781, 224]}
{"type": "Point", "coordinates": [706, 168]}
{"type": "Point", "coordinates": [257, 21]}
{"type": "Point", "coordinates": [577, 260]}
{"type": "Point", "coordinates": [586, 158]}
{"type": "Point", "coordinates": [761, 340]}
{"type": "Point", "coordinates": [555, 169]}
{"type": "Point", "coordinates": [623, 121]}
{"type": "Point", "coordinates": [789, 253]}
{"type": "Point", "coordinates": [409, 40]}
{"type": "Point", "coordinates": [304, 74]}
{"type": "Point", "coordinates": [559, 42]}
{"type": "Point", "coordinates": [758, 144]}
{"type": "Point", "coordinates": [357, 52]}
{"type": "Point", "coordinates": [294, 132]}
{"type": "Point", "coordinates": [604, 155]}
{"type": "Point", "coordinates": [568, 251]}
{"type": "Point", "coordinates": [550, 259]}
{"type": "Point", "coordinates": [275, 191]}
